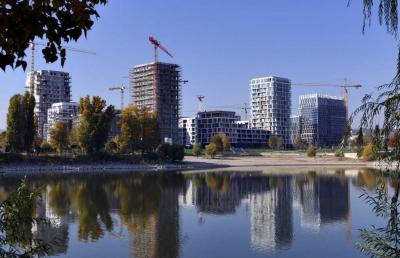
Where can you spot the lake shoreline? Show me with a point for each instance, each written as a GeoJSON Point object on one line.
{"type": "Point", "coordinates": [194, 164]}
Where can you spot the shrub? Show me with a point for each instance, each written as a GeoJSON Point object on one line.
{"type": "Point", "coordinates": [311, 151]}
{"type": "Point", "coordinates": [46, 147]}
{"type": "Point", "coordinates": [176, 152]}
{"type": "Point", "coordinates": [368, 153]}
{"type": "Point", "coordinates": [162, 151]}
{"type": "Point", "coordinates": [211, 150]}
{"type": "Point", "coordinates": [170, 153]}
{"type": "Point", "coordinates": [196, 149]}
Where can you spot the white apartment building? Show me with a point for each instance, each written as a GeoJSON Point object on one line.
{"type": "Point", "coordinates": [61, 111]}
{"type": "Point", "coordinates": [187, 130]}
{"type": "Point", "coordinates": [48, 87]}
{"type": "Point", "coordinates": [271, 105]}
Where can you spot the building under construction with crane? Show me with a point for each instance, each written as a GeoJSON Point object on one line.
{"type": "Point", "coordinates": [157, 86]}
{"type": "Point", "coordinates": [48, 87]}
{"type": "Point", "coordinates": [322, 120]}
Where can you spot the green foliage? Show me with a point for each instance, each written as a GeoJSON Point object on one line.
{"type": "Point", "coordinates": [22, 21]}
{"type": "Point", "coordinates": [29, 118]}
{"type": "Point", "coordinates": [46, 147]}
{"type": "Point", "coordinates": [21, 127]}
{"type": "Point", "coordinates": [300, 143]}
{"type": "Point", "coordinates": [216, 139]}
{"type": "Point", "coordinates": [112, 145]}
{"type": "Point", "coordinates": [211, 150]}
{"type": "Point", "coordinates": [139, 129]}
{"type": "Point", "coordinates": [95, 123]}
{"type": "Point", "coordinates": [16, 219]}
{"type": "Point", "coordinates": [368, 152]}
{"type": "Point", "coordinates": [360, 138]}
{"type": "Point", "coordinates": [170, 153]}
{"type": "Point", "coordinates": [382, 241]}
{"type": "Point", "coordinates": [3, 140]}
{"type": "Point", "coordinates": [276, 142]}
{"type": "Point", "coordinates": [197, 149]}
{"type": "Point", "coordinates": [226, 142]}
{"type": "Point", "coordinates": [311, 151]}
{"type": "Point", "coordinates": [59, 136]}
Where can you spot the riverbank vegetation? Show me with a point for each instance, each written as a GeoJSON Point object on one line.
{"type": "Point", "coordinates": [87, 139]}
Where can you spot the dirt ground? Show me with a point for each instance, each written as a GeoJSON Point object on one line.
{"type": "Point", "coordinates": [280, 160]}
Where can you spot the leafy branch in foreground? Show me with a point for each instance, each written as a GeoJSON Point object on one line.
{"type": "Point", "coordinates": [382, 241]}
{"type": "Point", "coordinates": [21, 21]}
{"type": "Point", "coordinates": [16, 221]}
{"type": "Point", "coordinates": [382, 107]}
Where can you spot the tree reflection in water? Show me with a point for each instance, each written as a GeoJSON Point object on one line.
{"type": "Point", "coordinates": [148, 206]}
{"type": "Point", "coordinates": [383, 241]}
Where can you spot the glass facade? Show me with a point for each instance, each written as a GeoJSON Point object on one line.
{"type": "Point", "coordinates": [323, 119]}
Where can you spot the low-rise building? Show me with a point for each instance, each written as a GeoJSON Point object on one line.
{"type": "Point", "coordinates": [61, 111]}
{"type": "Point", "coordinates": [209, 123]}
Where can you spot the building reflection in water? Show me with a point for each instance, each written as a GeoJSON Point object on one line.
{"type": "Point", "coordinates": [149, 206]}
{"type": "Point", "coordinates": [321, 200]}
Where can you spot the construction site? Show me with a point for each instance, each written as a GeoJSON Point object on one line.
{"type": "Point", "coordinates": [157, 86]}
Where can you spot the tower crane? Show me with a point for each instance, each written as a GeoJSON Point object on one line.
{"type": "Point", "coordinates": [245, 109]}
{"type": "Point", "coordinates": [157, 44]}
{"type": "Point", "coordinates": [33, 45]}
{"type": "Point", "coordinates": [345, 87]}
{"type": "Point", "coordinates": [200, 98]}
{"type": "Point", "coordinates": [122, 89]}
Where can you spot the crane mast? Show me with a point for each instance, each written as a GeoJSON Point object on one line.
{"type": "Point", "coordinates": [345, 87]}
{"type": "Point", "coordinates": [33, 48]}
{"type": "Point", "coordinates": [122, 90]}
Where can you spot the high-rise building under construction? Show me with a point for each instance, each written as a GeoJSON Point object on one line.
{"type": "Point", "coordinates": [156, 86]}
{"type": "Point", "coordinates": [48, 87]}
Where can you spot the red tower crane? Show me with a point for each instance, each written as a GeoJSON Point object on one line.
{"type": "Point", "coordinates": [157, 44]}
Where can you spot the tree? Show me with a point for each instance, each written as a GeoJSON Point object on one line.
{"type": "Point", "coordinates": [95, 123]}
{"type": "Point", "coordinates": [311, 151]}
{"type": "Point", "coordinates": [273, 142]}
{"type": "Point", "coordinates": [394, 140]}
{"type": "Point", "coordinates": [226, 142]}
{"type": "Point", "coordinates": [23, 21]}
{"type": "Point", "coordinates": [29, 119]}
{"type": "Point", "coordinates": [300, 143]}
{"type": "Point", "coordinates": [211, 150]}
{"type": "Point", "coordinates": [368, 152]}
{"type": "Point", "coordinates": [197, 149]}
{"type": "Point", "coordinates": [3, 140]}
{"type": "Point", "coordinates": [59, 136]}
{"type": "Point", "coordinates": [139, 129]}
{"type": "Point", "coordinates": [112, 145]}
{"type": "Point", "coordinates": [280, 142]}
{"type": "Point", "coordinates": [15, 124]}
{"type": "Point", "coordinates": [383, 105]}
{"type": "Point", "coordinates": [21, 127]}
{"type": "Point", "coordinates": [216, 139]}
{"type": "Point", "coordinates": [360, 138]}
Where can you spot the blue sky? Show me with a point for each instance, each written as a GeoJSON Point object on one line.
{"type": "Point", "coordinates": [222, 44]}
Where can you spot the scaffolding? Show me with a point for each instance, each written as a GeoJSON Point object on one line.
{"type": "Point", "coordinates": [157, 86]}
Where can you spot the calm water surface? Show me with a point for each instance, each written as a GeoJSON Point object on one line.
{"type": "Point", "coordinates": [203, 215]}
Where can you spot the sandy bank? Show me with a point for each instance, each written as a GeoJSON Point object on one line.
{"type": "Point", "coordinates": [247, 163]}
